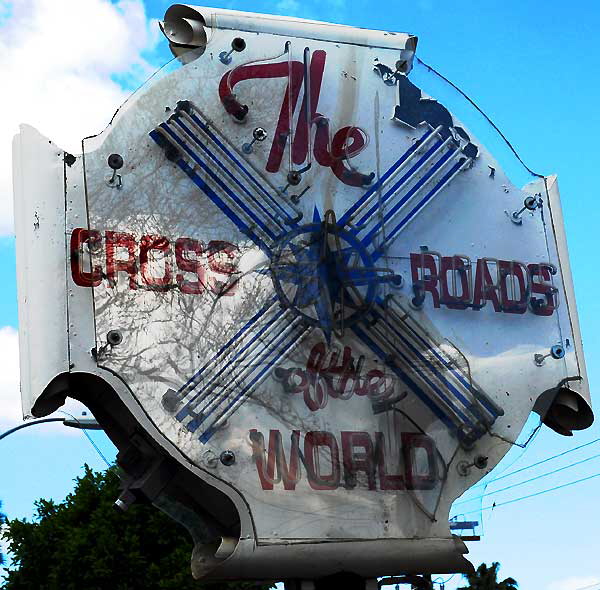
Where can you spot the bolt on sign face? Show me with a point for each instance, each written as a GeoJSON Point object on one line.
{"type": "Point", "coordinates": [305, 301]}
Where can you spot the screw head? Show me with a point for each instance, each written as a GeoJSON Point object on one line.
{"type": "Point", "coordinates": [481, 461]}
{"type": "Point", "coordinates": [238, 44]}
{"type": "Point", "coordinates": [227, 458]}
{"type": "Point", "coordinates": [537, 303]}
{"type": "Point", "coordinates": [259, 134]}
{"type": "Point", "coordinates": [114, 337]}
{"type": "Point", "coordinates": [557, 351]}
{"type": "Point", "coordinates": [170, 401]}
{"type": "Point", "coordinates": [115, 161]}
{"type": "Point", "coordinates": [294, 178]}
{"type": "Point", "coordinates": [530, 203]}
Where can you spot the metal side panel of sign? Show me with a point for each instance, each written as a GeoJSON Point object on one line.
{"type": "Point", "coordinates": [305, 302]}
{"type": "Point", "coordinates": [39, 193]}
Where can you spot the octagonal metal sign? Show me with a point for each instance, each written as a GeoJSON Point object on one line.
{"type": "Point", "coordinates": [303, 299]}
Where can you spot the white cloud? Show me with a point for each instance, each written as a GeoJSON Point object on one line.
{"type": "Point", "coordinates": [575, 583]}
{"type": "Point", "coordinates": [58, 60]}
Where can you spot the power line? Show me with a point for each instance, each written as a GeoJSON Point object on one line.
{"type": "Point", "coordinates": [444, 582]}
{"type": "Point", "coordinates": [520, 483]}
{"type": "Point", "coordinates": [108, 464]}
{"type": "Point", "coordinates": [484, 115]}
{"type": "Point", "coordinates": [27, 424]}
{"type": "Point", "coordinates": [487, 483]}
{"type": "Point", "coordinates": [498, 505]}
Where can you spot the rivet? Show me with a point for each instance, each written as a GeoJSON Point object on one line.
{"type": "Point", "coordinates": [115, 162]}
{"type": "Point", "coordinates": [529, 204]}
{"type": "Point", "coordinates": [238, 44]}
{"type": "Point", "coordinates": [114, 337]}
{"type": "Point", "coordinates": [227, 458]}
{"type": "Point", "coordinates": [259, 134]}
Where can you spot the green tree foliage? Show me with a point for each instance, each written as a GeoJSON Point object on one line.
{"type": "Point", "coordinates": [486, 578]}
{"type": "Point", "coordinates": [83, 543]}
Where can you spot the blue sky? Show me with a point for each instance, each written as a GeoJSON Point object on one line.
{"type": "Point", "coordinates": [532, 66]}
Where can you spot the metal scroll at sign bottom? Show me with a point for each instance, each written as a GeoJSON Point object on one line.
{"type": "Point", "coordinates": [296, 358]}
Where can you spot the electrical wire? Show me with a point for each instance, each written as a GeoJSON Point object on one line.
{"type": "Point", "coordinates": [108, 464]}
{"type": "Point", "coordinates": [524, 447]}
{"type": "Point", "coordinates": [498, 505]}
{"type": "Point", "coordinates": [487, 483]}
{"type": "Point", "coordinates": [520, 483]}
{"type": "Point", "coordinates": [27, 424]}
{"type": "Point", "coordinates": [476, 106]}
{"type": "Point", "coordinates": [444, 582]}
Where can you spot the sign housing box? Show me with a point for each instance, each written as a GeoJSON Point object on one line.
{"type": "Point", "coordinates": [302, 298]}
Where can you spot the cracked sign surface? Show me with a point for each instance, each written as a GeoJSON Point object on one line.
{"type": "Point", "coordinates": [309, 266]}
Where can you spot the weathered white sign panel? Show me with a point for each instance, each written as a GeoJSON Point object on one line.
{"type": "Point", "coordinates": [304, 300]}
